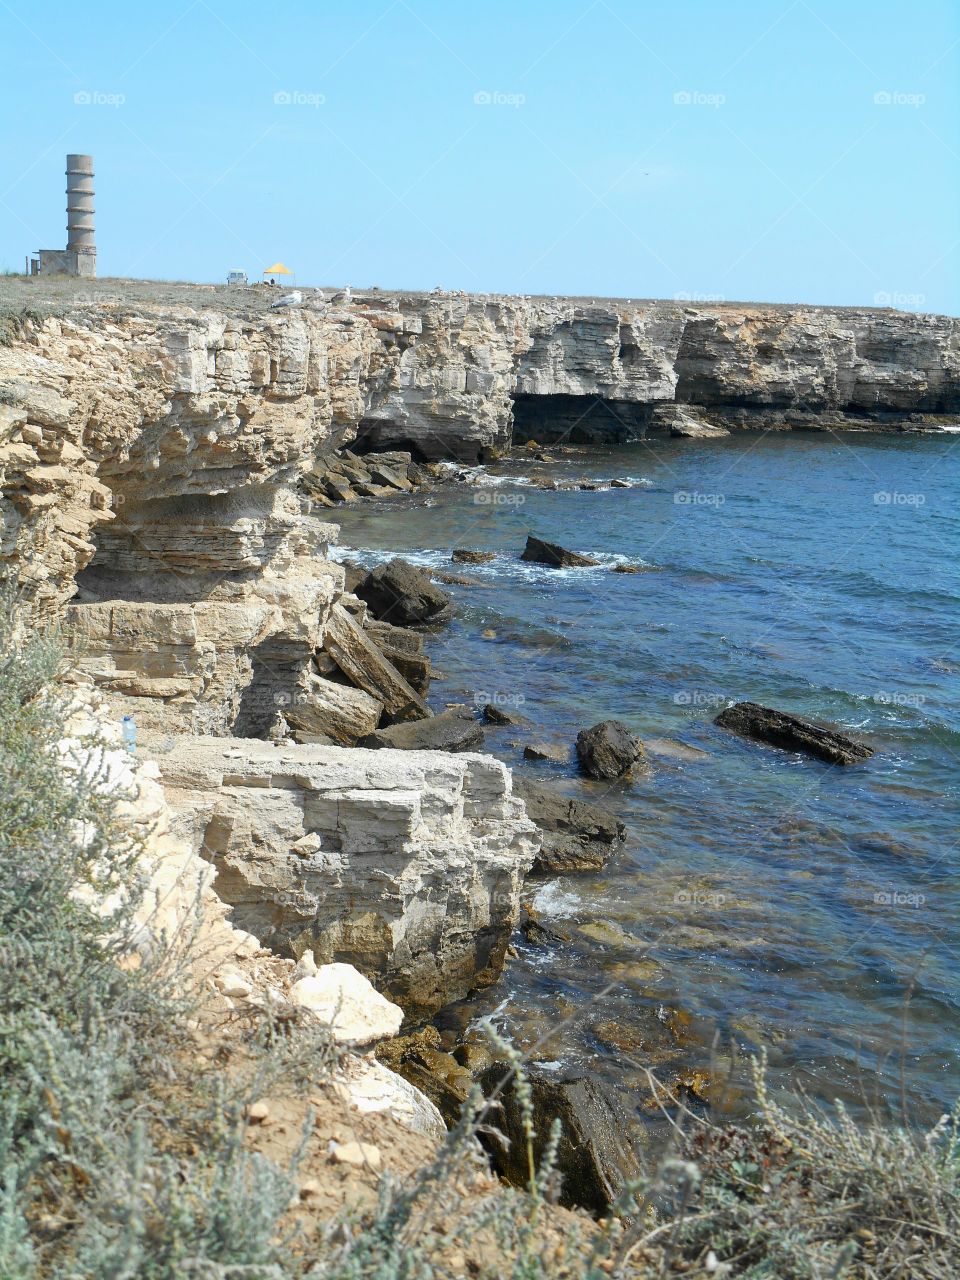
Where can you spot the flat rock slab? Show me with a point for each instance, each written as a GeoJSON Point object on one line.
{"type": "Point", "coordinates": [554, 555]}
{"type": "Point", "coordinates": [577, 836]}
{"type": "Point", "coordinates": [361, 661]}
{"type": "Point", "coordinates": [452, 730]}
{"type": "Point", "coordinates": [791, 733]}
{"type": "Point", "coordinates": [461, 555]}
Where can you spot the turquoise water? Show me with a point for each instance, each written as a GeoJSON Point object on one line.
{"type": "Point", "coordinates": [762, 898]}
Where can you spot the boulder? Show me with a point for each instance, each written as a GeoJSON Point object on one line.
{"type": "Point", "coordinates": [339, 995]}
{"type": "Point", "coordinates": [385, 475]}
{"type": "Point", "coordinates": [596, 1157]}
{"type": "Point", "coordinates": [462, 556]}
{"type": "Point", "coordinates": [576, 836]}
{"type": "Point", "coordinates": [556, 556]}
{"type": "Point", "coordinates": [334, 711]}
{"type": "Point", "coordinates": [338, 487]}
{"type": "Point", "coordinates": [791, 733]}
{"type": "Point", "coordinates": [401, 594]}
{"type": "Point", "coordinates": [453, 730]}
{"type": "Point", "coordinates": [608, 749]}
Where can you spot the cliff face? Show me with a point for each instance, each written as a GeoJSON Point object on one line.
{"type": "Point", "coordinates": [150, 454]}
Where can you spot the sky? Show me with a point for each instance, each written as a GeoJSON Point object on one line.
{"type": "Point", "coordinates": [795, 151]}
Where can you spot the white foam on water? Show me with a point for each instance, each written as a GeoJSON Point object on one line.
{"type": "Point", "coordinates": [556, 900]}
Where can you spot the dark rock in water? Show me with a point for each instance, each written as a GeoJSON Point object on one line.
{"type": "Point", "coordinates": [354, 574]}
{"type": "Point", "coordinates": [462, 556]}
{"type": "Point", "coordinates": [536, 933]}
{"type": "Point", "coordinates": [452, 730]}
{"type": "Point", "coordinates": [620, 484]}
{"type": "Point", "coordinates": [556, 556]}
{"type": "Point", "coordinates": [496, 715]}
{"type": "Point", "coordinates": [576, 836]}
{"type": "Point", "coordinates": [608, 750]}
{"type": "Point", "coordinates": [596, 1157]}
{"type": "Point", "coordinates": [400, 593]}
{"type": "Point", "coordinates": [791, 733]}
{"type": "Point", "coordinates": [456, 579]}
{"type": "Point", "coordinates": [419, 1058]}
{"type": "Point", "coordinates": [558, 752]}
{"type": "Point", "coordinates": [627, 568]}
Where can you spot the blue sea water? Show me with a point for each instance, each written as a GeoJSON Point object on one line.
{"type": "Point", "coordinates": [763, 899]}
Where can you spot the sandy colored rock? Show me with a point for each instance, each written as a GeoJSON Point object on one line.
{"type": "Point", "coordinates": [356, 1012]}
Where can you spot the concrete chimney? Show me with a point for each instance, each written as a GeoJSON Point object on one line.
{"type": "Point", "coordinates": [81, 230]}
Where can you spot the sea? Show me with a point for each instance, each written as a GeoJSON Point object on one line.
{"type": "Point", "coordinates": [765, 904]}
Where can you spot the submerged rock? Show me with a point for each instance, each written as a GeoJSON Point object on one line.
{"type": "Point", "coordinates": [608, 750]}
{"type": "Point", "coordinates": [596, 1156]}
{"type": "Point", "coordinates": [496, 715]}
{"type": "Point", "coordinates": [576, 836]}
{"type": "Point", "coordinates": [453, 730]}
{"type": "Point", "coordinates": [462, 556]}
{"type": "Point", "coordinates": [558, 752]}
{"type": "Point", "coordinates": [791, 733]}
{"type": "Point", "coordinates": [403, 595]}
{"type": "Point", "coordinates": [554, 555]}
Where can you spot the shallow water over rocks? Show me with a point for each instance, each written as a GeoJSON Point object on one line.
{"type": "Point", "coordinates": [762, 898]}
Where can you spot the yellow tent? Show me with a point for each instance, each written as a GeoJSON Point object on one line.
{"type": "Point", "coordinates": [278, 269]}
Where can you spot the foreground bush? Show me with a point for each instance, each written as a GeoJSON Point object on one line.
{"type": "Point", "coordinates": [121, 1158]}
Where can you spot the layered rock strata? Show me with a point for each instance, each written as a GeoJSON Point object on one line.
{"type": "Point", "coordinates": [407, 865]}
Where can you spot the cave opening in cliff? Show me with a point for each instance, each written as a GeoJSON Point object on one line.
{"type": "Point", "coordinates": [569, 419]}
{"type": "Point", "coordinates": [376, 435]}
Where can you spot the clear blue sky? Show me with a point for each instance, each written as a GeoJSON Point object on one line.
{"type": "Point", "coordinates": [781, 177]}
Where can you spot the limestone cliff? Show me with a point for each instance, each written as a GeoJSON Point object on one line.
{"type": "Point", "coordinates": [152, 444]}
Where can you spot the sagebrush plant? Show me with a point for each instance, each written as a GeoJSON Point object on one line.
{"type": "Point", "coordinates": [91, 1044]}
{"type": "Point", "coordinates": [120, 1158]}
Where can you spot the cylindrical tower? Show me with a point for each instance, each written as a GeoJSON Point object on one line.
{"type": "Point", "coordinates": [80, 211]}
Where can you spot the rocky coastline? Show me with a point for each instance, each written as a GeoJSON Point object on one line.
{"type": "Point", "coordinates": [170, 473]}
